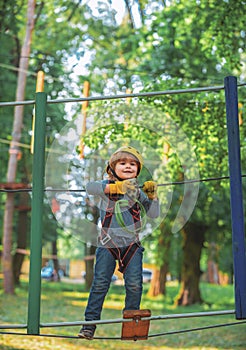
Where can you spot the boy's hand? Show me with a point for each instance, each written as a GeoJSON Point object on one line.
{"type": "Point", "coordinates": [122, 187]}
{"type": "Point", "coordinates": [150, 188]}
{"type": "Point", "coordinates": [132, 189]}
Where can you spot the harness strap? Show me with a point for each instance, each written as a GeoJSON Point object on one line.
{"type": "Point", "coordinates": [123, 255]}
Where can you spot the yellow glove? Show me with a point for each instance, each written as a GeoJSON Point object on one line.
{"type": "Point", "coordinates": [150, 188]}
{"type": "Point", "coordinates": [121, 187]}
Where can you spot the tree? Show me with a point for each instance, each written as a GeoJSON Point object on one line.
{"type": "Point", "coordinates": [14, 152]}
{"type": "Point", "coordinates": [46, 55]}
{"type": "Point", "coordinates": [23, 222]}
{"type": "Point", "coordinates": [162, 251]}
{"type": "Point", "coordinates": [193, 238]}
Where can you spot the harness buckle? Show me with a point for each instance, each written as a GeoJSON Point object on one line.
{"type": "Point", "coordinates": [105, 239]}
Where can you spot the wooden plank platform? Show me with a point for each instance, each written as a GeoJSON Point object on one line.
{"type": "Point", "coordinates": [137, 329]}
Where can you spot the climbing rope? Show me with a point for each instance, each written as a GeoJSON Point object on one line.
{"type": "Point", "coordinates": [123, 203]}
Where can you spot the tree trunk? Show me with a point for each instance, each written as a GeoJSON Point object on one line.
{"type": "Point", "coordinates": [90, 249]}
{"type": "Point", "coordinates": [155, 286]}
{"type": "Point", "coordinates": [129, 10]}
{"type": "Point", "coordinates": [89, 265]}
{"type": "Point", "coordinates": [158, 282]}
{"type": "Point", "coordinates": [213, 270]}
{"type": "Point", "coordinates": [56, 276]}
{"type": "Point", "coordinates": [22, 229]}
{"type": "Point", "coordinates": [14, 152]}
{"type": "Point", "coordinates": [193, 236]}
{"type": "Point", "coordinates": [8, 282]}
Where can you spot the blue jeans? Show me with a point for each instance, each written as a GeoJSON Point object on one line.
{"type": "Point", "coordinates": [103, 272]}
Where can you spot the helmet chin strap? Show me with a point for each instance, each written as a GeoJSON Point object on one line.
{"type": "Point", "coordinates": [114, 173]}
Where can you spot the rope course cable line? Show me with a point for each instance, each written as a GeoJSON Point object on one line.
{"type": "Point", "coordinates": [29, 189]}
{"type": "Point", "coordinates": [108, 66]}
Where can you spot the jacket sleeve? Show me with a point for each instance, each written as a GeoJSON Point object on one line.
{"type": "Point", "coordinates": [95, 188]}
{"type": "Point", "coordinates": [152, 207]}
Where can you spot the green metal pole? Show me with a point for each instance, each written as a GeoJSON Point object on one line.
{"type": "Point", "coordinates": [34, 295]}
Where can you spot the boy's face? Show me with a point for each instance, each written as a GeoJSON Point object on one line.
{"type": "Point", "coordinates": [126, 168]}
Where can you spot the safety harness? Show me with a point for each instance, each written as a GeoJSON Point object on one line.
{"type": "Point", "coordinates": [122, 254]}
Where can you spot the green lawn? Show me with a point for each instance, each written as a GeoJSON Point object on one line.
{"type": "Point", "coordinates": [64, 301]}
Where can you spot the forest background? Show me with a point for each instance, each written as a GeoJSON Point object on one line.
{"type": "Point", "coordinates": [145, 46]}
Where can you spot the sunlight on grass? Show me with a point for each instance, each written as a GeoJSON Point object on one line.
{"type": "Point", "coordinates": [75, 294]}
{"type": "Point", "coordinates": [79, 303]}
{"type": "Point", "coordinates": [113, 305]}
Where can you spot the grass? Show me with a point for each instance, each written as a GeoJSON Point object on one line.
{"type": "Point", "coordinates": [65, 301]}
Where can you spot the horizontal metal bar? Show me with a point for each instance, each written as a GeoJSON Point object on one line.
{"type": "Point", "coordinates": [192, 314]}
{"type": "Point", "coordinates": [17, 103]}
{"type": "Point", "coordinates": [112, 97]}
{"type": "Point", "coordinates": [151, 318]}
{"type": "Point", "coordinates": [13, 326]}
{"type": "Point", "coordinates": [140, 94]}
{"type": "Point", "coordinates": [121, 320]}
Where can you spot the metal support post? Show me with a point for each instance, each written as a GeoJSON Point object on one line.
{"type": "Point", "coordinates": [237, 212]}
{"type": "Point", "coordinates": [34, 295]}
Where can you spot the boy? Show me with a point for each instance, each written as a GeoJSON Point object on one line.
{"type": "Point", "coordinates": [122, 209]}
